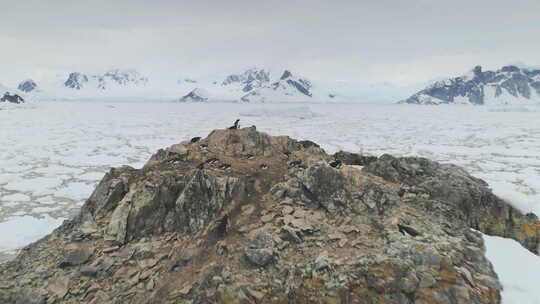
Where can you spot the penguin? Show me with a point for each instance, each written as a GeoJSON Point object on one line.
{"type": "Point", "coordinates": [264, 166]}
{"type": "Point", "coordinates": [336, 164]}
{"type": "Point", "coordinates": [287, 154]}
{"type": "Point", "coordinates": [295, 163]}
{"type": "Point", "coordinates": [204, 146]}
{"type": "Point", "coordinates": [225, 166]}
{"type": "Point", "coordinates": [212, 161]}
{"type": "Point", "coordinates": [236, 125]}
{"type": "Point", "coordinates": [195, 139]}
{"type": "Point", "coordinates": [249, 156]}
{"type": "Point", "coordinates": [406, 230]}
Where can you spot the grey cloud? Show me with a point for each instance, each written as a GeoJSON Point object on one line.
{"type": "Point", "coordinates": [364, 41]}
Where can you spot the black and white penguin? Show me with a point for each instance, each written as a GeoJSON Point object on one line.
{"type": "Point", "coordinates": [224, 166]}
{"type": "Point", "coordinates": [249, 156]}
{"type": "Point", "coordinates": [212, 161]}
{"type": "Point", "coordinates": [264, 166]}
{"type": "Point", "coordinates": [336, 163]}
{"type": "Point", "coordinates": [295, 163]}
{"type": "Point", "coordinates": [286, 154]}
{"type": "Point", "coordinates": [236, 125]}
{"type": "Point", "coordinates": [195, 139]}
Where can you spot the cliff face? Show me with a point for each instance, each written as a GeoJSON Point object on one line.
{"type": "Point", "coordinates": [244, 217]}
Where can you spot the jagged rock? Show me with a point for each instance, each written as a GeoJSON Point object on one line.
{"type": "Point", "coordinates": [15, 98]}
{"type": "Point", "coordinates": [396, 231]}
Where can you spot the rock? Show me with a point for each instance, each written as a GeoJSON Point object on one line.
{"type": "Point", "coordinates": [59, 287]}
{"type": "Point", "coordinates": [89, 271]}
{"type": "Point", "coordinates": [354, 159]}
{"type": "Point", "coordinates": [76, 257]}
{"type": "Point", "coordinates": [260, 251]}
{"type": "Point", "coordinates": [11, 98]}
{"type": "Point", "coordinates": [259, 257]}
{"type": "Point", "coordinates": [398, 230]}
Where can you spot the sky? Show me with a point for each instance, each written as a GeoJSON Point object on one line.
{"type": "Point", "coordinates": [359, 41]}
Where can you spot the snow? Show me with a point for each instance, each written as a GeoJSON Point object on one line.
{"type": "Point", "coordinates": [302, 112]}
{"type": "Point", "coordinates": [53, 153]}
{"type": "Point", "coordinates": [24, 230]}
{"type": "Point", "coordinates": [518, 270]}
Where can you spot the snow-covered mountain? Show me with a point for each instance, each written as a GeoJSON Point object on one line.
{"type": "Point", "coordinates": [251, 79]}
{"type": "Point", "coordinates": [287, 88]}
{"type": "Point", "coordinates": [114, 84]}
{"type": "Point", "coordinates": [196, 95]}
{"type": "Point", "coordinates": [27, 86]}
{"type": "Point", "coordinates": [254, 85]}
{"type": "Point", "coordinates": [116, 78]}
{"type": "Point", "coordinates": [509, 85]}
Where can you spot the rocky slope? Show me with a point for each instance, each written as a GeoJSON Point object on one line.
{"type": "Point", "coordinates": [244, 217]}
{"type": "Point", "coordinates": [509, 85]}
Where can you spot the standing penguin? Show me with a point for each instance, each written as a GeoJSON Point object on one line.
{"type": "Point", "coordinates": [236, 125]}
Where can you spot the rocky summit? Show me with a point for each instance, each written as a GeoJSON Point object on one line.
{"type": "Point", "coordinates": [244, 217]}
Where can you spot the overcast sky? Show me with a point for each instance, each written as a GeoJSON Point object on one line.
{"type": "Point", "coordinates": [398, 41]}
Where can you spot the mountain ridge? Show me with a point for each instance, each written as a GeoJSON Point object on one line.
{"type": "Point", "coordinates": [509, 85]}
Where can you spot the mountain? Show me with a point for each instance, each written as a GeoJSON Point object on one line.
{"type": "Point", "coordinates": [509, 85]}
{"type": "Point", "coordinates": [196, 95]}
{"type": "Point", "coordinates": [115, 78]}
{"type": "Point", "coordinates": [287, 88]}
{"type": "Point", "coordinates": [249, 80]}
{"type": "Point", "coordinates": [27, 86]}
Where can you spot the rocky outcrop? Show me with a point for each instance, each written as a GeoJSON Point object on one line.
{"type": "Point", "coordinates": [76, 81]}
{"type": "Point", "coordinates": [196, 95]}
{"type": "Point", "coordinates": [510, 84]}
{"type": "Point", "coordinates": [27, 86]}
{"type": "Point", "coordinates": [244, 217]}
{"type": "Point", "coordinates": [12, 98]}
